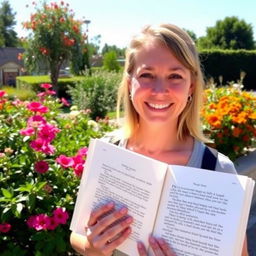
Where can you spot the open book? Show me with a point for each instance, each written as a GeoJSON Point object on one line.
{"type": "Point", "coordinates": [199, 212]}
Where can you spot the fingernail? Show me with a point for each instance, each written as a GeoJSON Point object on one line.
{"type": "Point", "coordinates": [152, 240]}
{"type": "Point", "coordinates": [161, 241]}
{"type": "Point", "coordinates": [140, 246]}
{"type": "Point", "coordinates": [129, 220]}
{"type": "Point", "coordinates": [123, 210]}
{"type": "Point", "coordinates": [110, 204]}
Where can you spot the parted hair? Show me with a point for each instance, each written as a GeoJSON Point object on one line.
{"type": "Point", "coordinates": [183, 48]}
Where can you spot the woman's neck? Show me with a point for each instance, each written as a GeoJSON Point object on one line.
{"type": "Point", "coordinates": [151, 140]}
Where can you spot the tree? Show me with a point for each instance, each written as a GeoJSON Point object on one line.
{"type": "Point", "coordinates": [8, 37]}
{"type": "Point", "coordinates": [191, 34]}
{"type": "Point", "coordinates": [110, 62]}
{"type": "Point", "coordinates": [56, 37]}
{"type": "Point", "coordinates": [230, 33]}
{"type": "Point", "coordinates": [108, 48]}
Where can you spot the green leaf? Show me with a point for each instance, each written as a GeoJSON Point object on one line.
{"type": "Point", "coordinates": [7, 193]}
{"type": "Point", "coordinates": [60, 245]}
{"type": "Point", "coordinates": [19, 208]}
{"type": "Point", "coordinates": [31, 202]}
{"type": "Point", "coordinates": [25, 188]}
{"type": "Point", "coordinates": [40, 185]}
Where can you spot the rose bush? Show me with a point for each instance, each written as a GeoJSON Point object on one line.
{"type": "Point", "coordinates": [229, 117]}
{"type": "Point", "coordinates": [42, 154]}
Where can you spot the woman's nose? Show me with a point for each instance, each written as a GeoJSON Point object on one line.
{"type": "Point", "coordinates": [160, 86]}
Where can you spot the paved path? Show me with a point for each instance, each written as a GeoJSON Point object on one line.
{"type": "Point", "coordinates": [251, 232]}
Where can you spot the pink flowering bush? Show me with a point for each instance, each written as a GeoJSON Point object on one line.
{"type": "Point", "coordinates": [42, 156]}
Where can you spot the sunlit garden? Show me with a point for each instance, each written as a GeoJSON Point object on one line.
{"type": "Point", "coordinates": [47, 121]}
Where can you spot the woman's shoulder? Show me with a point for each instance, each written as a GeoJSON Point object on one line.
{"type": "Point", "coordinates": [115, 137]}
{"type": "Point", "coordinates": [224, 164]}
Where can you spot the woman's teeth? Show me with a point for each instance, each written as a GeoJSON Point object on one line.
{"type": "Point", "coordinates": [158, 106]}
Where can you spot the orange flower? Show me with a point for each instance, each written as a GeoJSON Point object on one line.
{"type": "Point", "coordinates": [252, 115]}
{"type": "Point", "coordinates": [236, 132]}
{"type": "Point", "coordinates": [240, 118]}
{"type": "Point", "coordinates": [214, 120]}
{"type": "Point", "coordinates": [235, 107]}
{"type": "Point", "coordinates": [212, 106]}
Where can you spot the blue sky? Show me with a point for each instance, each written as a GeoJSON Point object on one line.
{"type": "Point", "coordinates": [117, 20]}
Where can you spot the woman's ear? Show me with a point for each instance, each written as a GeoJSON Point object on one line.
{"type": "Point", "coordinates": [191, 88]}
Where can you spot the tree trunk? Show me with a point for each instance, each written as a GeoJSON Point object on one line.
{"type": "Point", "coordinates": [55, 70]}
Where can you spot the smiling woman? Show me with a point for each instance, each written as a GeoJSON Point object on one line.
{"type": "Point", "coordinates": [161, 92]}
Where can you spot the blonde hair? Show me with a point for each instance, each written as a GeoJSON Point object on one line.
{"type": "Point", "coordinates": [183, 48]}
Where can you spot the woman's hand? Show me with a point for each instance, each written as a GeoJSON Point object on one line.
{"type": "Point", "coordinates": [107, 228]}
{"type": "Point", "coordinates": [158, 245]}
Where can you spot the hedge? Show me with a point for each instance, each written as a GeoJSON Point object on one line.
{"type": "Point", "coordinates": [28, 82]}
{"type": "Point", "coordinates": [229, 64]}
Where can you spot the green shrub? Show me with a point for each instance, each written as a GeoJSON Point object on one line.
{"type": "Point", "coordinates": [229, 64]}
{"type": "Point", "coordinates": [22, 94]}
{"type": "Point", "coordinates": [110, 62]}
{"type": "Point", "coordinates": [33, 82]}
{"type": "Point", "coordinates": [35, 141]}
{"type": "Point", "coordinates": [96, 92]}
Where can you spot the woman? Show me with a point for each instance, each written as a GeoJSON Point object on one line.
{"type": "Point", "coordinates": [161, 91]}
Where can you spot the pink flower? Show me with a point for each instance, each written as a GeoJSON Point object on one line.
{"type": "Point", "coordinates": [41, 222]}
{"type": "Point", "coordinates": [65, 102]}
{"type": "Point", "coordinates": [65, 161]}
{"type": "Point", "coordinates": [17, 102]}
{"type": "Point", "coordinates": [43, 146]}
{"type": "Point", "coordinates": [48, 149]}
{"type": "Point", "coordinates": [41, 166]}
{"type": "Point", "coordinates": [78, 159]}
{"type": "Point", "coordinates": [31, 221]}
{"type": "Point", "coordinates": [50, 92]}
{"type": "Point", "coordinates": [60, 216]}
{"type": "Point", "coordinates": [37, 144]}
{"type": "Point", "coordinates": [41, 94]}
{"type": "Point", "coordinates": [47, 132]}
{"type": "Point", "coordinates": [52, 223]}
{"type": "Point", "coordinates": [46, 86]}
{"type": "Point", "coordinates": [82, 151]}
{"type": "Point", "coordinates": [27, 131]}
{"type": "Point", "coordinates": [37, 107]}
{"type": "Point", "coordinates": [2, 93]}
{"type": "Point", "coordinates": [36, 119]}
{"type": "Point", "coordinates": [5, 227]}
{"type": "Point", "coordinates": [78, 170]}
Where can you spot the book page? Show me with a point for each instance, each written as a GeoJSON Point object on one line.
{"type": "Point", "coordinates": [129, 179]}
{"type": "Point", "coordinates": [200, 211]}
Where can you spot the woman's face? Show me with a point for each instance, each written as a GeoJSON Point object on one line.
{"type": "Point", "coordinates": [159, 85]}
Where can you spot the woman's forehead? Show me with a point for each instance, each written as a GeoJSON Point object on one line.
{"type": "Point", "coordinates": [151, 55]}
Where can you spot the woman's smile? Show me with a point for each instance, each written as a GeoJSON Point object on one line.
{"type": "Point", "coordinates": [158, 107]}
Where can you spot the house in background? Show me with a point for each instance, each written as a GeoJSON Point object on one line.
{"type": "Point", "coordinates": [10, 66]}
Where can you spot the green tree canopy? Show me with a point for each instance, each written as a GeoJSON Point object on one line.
{"type": "Point", "coordinates": [110, 62]}
{"type": "Point", "coordinates": [8, 37]}
{"type": "Point", "coordinates": [108, 48]}
{"type": "Point", "coordinates": [191, 34]}
{"type": "Point", "coordinates": [56, 37]}
{"type": "Point", "coordinates": [230, 33]}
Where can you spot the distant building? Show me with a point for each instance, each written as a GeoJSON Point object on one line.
{"type": "Point", "coordinates": [10, 65]}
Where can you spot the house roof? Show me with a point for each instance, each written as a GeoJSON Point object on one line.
{"type": "Point", "coordinates": [10, 54]}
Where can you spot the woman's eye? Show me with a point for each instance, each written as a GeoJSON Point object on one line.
{"type": "Point", "coordinates": [146, 75]}
{"type": "Point", "coordinates": [175, 76]}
